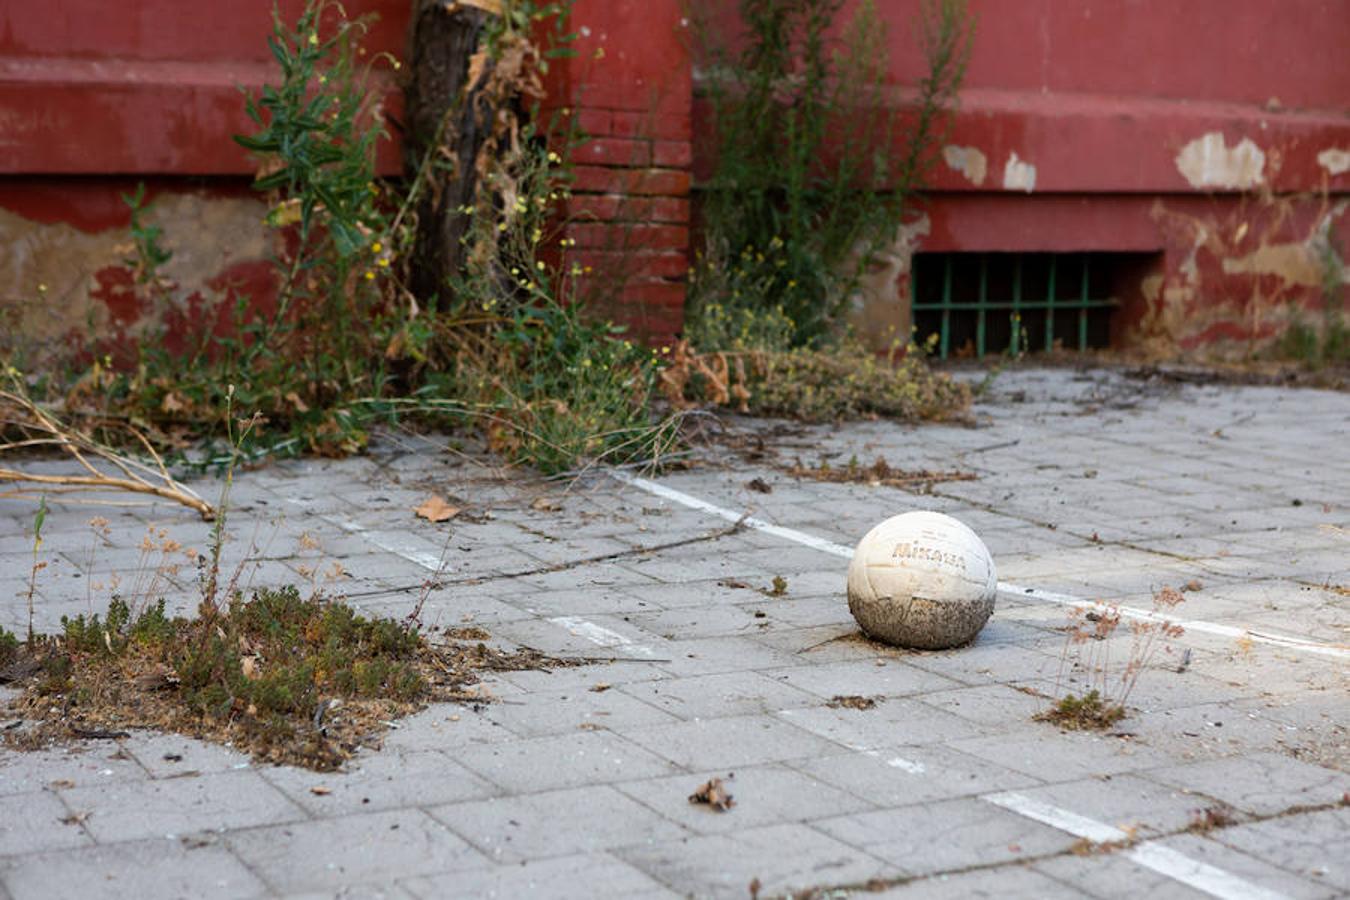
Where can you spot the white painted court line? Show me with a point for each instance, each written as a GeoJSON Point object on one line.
{"type": "Point", "coordinates": [413, 554]}
{"type": "Point", "coordinates": [1164, 860]}
{"type": "Point", "coordinates": [1007, 589]}
{"type": "Point", "coordinates": [895, 762]}
{"type": "Point", "coordinates": [1288, 642]}
{"type": "Point", "coordinates": [600, 635]}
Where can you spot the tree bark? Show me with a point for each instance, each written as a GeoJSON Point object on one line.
{"type": "Point", "coordinates": [446, 120]}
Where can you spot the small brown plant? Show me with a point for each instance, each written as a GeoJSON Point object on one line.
{"type": "Point", "coordinates": [879, 472]}
{"type": "Point", "coordinates": [1087, 649]}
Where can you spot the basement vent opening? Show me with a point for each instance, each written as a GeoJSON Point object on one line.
{"type": "Point", "coordinates": [978, 303]}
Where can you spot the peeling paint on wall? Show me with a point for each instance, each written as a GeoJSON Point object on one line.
{"type": "Point", "coordinates": [1235, 280]}
{"type": "Point", "coordinates": [969, 161]}
{"type": "Point", "coordinates": [879, 308]}
{"type": "Point", "coordinates": [1292, 263]}
{"type": "Point", "coordinates": [1335, 160]}
{"type": "Point", "coordinates": [57, 281]}
{"type": "Point", "coordinates": [1208, 162]}
{"type": "Point", "coordinates": [1019, 175]}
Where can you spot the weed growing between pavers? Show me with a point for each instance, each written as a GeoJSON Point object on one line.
{"type": "Point", "coordinates": [1087, 654]}
{"type": "Point", "coordinates": [1087, 712]}
{"type": "Point", "coordinates": [288, 679]}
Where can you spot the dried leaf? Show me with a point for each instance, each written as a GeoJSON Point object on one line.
{"type": "Point", "coordinates": [296, 403]}
{"type": "Point", "coordinates": [320, 791]}
{"type": "Point", "coordinates": [851, 701]}
{"type": "Point", "coordinates": [435, 509]}
{"type": "Point", "coordinates": [600, 687]}
{"type": "Point", "coordinates": [249, 666]}
{"type": "Point", "coordinates": [713, 793]}
{"type": "Point", "coordinates": [545, 504]}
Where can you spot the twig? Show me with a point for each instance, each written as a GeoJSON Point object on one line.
{"type": "Point", "coordinates": [42, 428]}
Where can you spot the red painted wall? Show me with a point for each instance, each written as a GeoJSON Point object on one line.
{"type": "Point", "coordinates": [1102, 98]}
{"type": "Point", "coordinates": [1080, 114]}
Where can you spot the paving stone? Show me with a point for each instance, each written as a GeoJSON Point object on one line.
{"type": "Point", "coordinates": [597, 818]}
{"type": "Point", "coordinates": [564, 761]}
{"type": "Point", "coordinates": [948, 836]}
{"type": "Point", "coordinates": [1133, 804]}
{"type": "Point", "coordinates": [144, 869]}
{"type": "Point", "coordinates": [906, 775]}
{"type": "Point", "coordinates": [176, 755]}
{"type": "Point", "coordinates": [993, 705]}
{"type": "Point", "coordinates": [37, 821]}
{"type": "Point", "coordinates": [1314, 846]}
{"type": "Point", "coordinates": [709, 656]}
{"type": "Point", "coordinates": [1209, 850]}
{"type": "Point", "coordinates": [891, 679]}
{"type": "Point", "coordinates": [890, 723]}
{"type": "Point", "coordinates": [445, 726]}
{"type": "Point", "coordinates": [985, 663]}
{"type": "Point", "coordinates": [76, 766]}
{"type": "Point", "coordinates": [714, 696]}
{"type": "Point", "coordinates": [595, 875]}
{"type": "Point", "coordinates": [1111, 876]}
{"type": "Point", "coordinates": [128, 810]}
{"type": "Point", "coordinates": [1259, 783]}
{"type": "Point", "coordinates": [375, 781]}
{"type": "Point", "coordinates": [540, 713]}
{"type": "Point", "coordinates": [1041, 748]}
{"type": "Point", "coordinates": [597, 600]}
{"type": "Point", "coordinates": [330, 853]}
{"type": "Point", "coordinates": [764, 795]}
{"type": "Point", "coordinates": [725, 743]}
{"type": "Point", "coordinates": [783, 857]}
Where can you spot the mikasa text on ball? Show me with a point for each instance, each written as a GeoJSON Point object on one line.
{"type": "Point", "coordinates": [923, 580]}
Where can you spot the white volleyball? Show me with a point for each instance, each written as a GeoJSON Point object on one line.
{"type": "Point", "coordinates": [923, 580]}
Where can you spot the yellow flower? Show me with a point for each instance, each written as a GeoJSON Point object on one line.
{"type": "Point", "coordinates": [539, 265]}
{"type": "Point", "coordinates": [313, 40]}
{"type": "Point", "coordinates": [370, 276]}
{"type": "Point", "coordinates": [376, 247]}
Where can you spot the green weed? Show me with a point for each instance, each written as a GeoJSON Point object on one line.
{"type": "Point", "coordinates": [1087, 712]}
{"type": "Point", "coordinates": [799, 201]}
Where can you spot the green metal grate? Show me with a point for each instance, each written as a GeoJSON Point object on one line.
{"type": "Point", "coordinates": [983, 302]}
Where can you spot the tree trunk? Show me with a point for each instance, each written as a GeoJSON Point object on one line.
{"type": "Point", "coordinates": [444, 119]}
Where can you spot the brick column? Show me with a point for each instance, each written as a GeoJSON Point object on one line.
{"type": "Point", "coordinates": [630, 88]}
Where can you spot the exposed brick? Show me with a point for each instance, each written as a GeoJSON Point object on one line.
{"type": "Point", "coordinates": [637, 264]}
{"type": "Point", "coordinates": [628, 236]}
{"type": "Point", "coordinates": [611, 207]}
{"type": "Point", "coordinates": [676, 154]}
{"type": "Point", "coordinates": [656, 126]}
{"type": "Point", "coordinates": [595, 122]}
{"type": "Point", "coordinates": [614, 152]}
{"type": "Point", "coordinates": [602, 180]}
{"type": "Point", "coordinates": [671, 96]}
